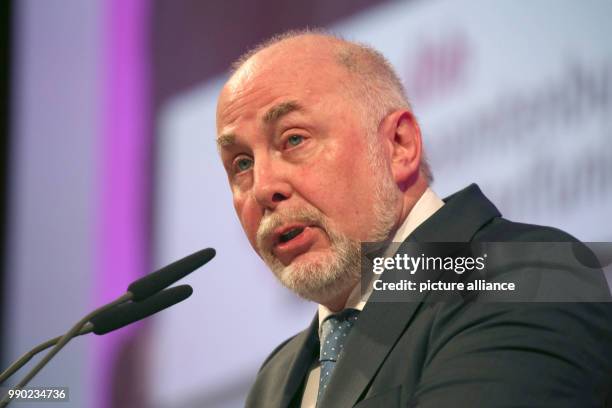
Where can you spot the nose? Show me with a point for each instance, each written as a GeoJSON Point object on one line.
{"type": "Point", "coordinates": [271, 185]}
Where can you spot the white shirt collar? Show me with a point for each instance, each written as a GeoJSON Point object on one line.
{"type": "Point", "coordinates": [424, 208]}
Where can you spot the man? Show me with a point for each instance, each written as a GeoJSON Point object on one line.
{"type": "Point", "coordinates": [323, 152]}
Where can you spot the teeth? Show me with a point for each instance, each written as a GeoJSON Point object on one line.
{"type": "Point", "coordinates": [289, 235]}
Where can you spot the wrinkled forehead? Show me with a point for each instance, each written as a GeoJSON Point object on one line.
{"type": "Point", "coordinates": [282, 75]}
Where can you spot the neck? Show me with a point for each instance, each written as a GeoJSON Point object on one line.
{"type": "Point", "coordinates": [338, 303]}
{"type": "Point", "coordinates": [409, 199]}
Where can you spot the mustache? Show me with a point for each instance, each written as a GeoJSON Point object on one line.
{"type": "Point", "coordinates": [268, 224]}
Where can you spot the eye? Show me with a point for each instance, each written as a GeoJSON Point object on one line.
{"type": "Point", "coordinates": [242, 164]}
{"type": "Point", "coordinates": [294, 140]}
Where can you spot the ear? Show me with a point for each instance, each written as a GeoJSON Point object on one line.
{"type": "Point", "coordinates": [402, 135]}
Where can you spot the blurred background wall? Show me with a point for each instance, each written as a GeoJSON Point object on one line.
{"type": "Point", "coordinates": [112, 171]}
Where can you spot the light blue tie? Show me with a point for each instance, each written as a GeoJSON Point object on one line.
{"type": "Point", "coordinates": [334, 332]}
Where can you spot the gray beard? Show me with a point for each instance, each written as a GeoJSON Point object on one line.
{"type": "Point", "coordinates": [339, 271]}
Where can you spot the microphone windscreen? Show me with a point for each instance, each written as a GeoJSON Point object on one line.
{"type": "Point", "coordinates": [128, 313]}
{"type": "Point", "coordinates": [166, 276]}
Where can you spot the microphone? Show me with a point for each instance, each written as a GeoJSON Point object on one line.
{"type": "Point", "coordinates": [137, 291]}
{"type": "Point", "coordinates": [112, 319]}
{"type": "Point", "coordinates": [128, 313]}
{"type": "Point", "coordinates": [166, 276]}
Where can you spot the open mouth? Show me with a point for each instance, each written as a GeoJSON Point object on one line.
{"type": "Point", "coordinates": [290, 234]}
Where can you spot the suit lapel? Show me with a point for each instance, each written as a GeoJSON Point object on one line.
{"type": "Point", "coordinates": [463, 214]}
{"type": "Point", "coordinates": [381, 324]}
{"type": "Point", "coordinates": [307, 346]}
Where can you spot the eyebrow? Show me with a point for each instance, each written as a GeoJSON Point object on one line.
{"type": "Point", "coordinates": [278, 111]}
{"type": "Point", "coordinates": [226, 140]}
{"type": "Point", "coordinates": [272, 115]}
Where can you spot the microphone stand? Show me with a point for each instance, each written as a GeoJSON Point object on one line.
{"type": "Point", "coordinates": [62, 342]}
{"type": "Point", "coordinates": [88, 328]}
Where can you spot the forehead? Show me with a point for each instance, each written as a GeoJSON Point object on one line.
{"type": "Point", "coordinates": [265, 81]}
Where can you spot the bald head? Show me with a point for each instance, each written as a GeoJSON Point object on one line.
{"type": "Point", "coordinates": [314, 42]}
{"type": "Point", "coordinates": [369, 77]}
{"type": "Point", "coordinates": [362, 73]}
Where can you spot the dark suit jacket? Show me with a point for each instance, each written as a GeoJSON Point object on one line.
{"type": "Point", "coordinates": [470, 354]}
